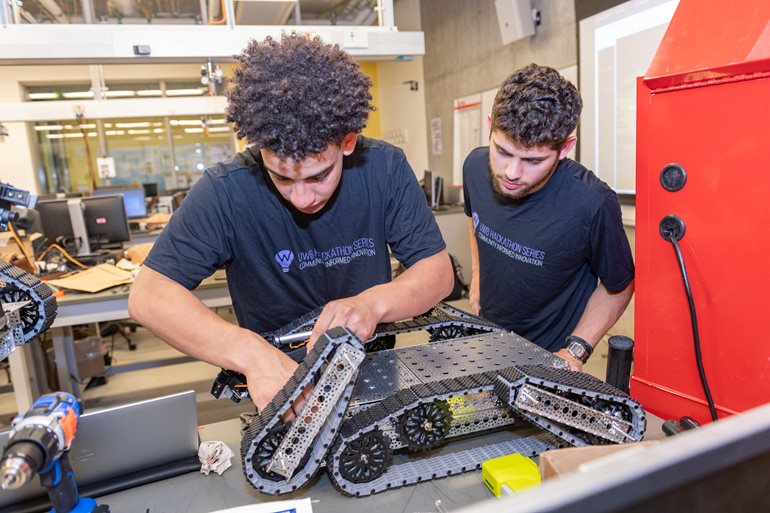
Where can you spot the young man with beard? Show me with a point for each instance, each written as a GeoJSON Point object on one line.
{"type": "Point", "coordinates": [551, 260]}
{"type": "Point", "coordinates": [304, 217]}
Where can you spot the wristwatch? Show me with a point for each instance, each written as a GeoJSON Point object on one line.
{"type": "Point", "coordinates": [579, 348]}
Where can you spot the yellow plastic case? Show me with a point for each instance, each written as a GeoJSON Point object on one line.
{"type": "Point", "coordinates": [516, 471]}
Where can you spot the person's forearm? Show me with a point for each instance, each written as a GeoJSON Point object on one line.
{"type": "Point", "coordinates": [474, 250]}
{"type": "Point", "coordinates": [603, 310]}
{"type": "Point", "coordinates": [474, 294]}
{"type": "Point", "coordinates": [174, 314]}
{"type": "Point", "coordinates": [414, 291]}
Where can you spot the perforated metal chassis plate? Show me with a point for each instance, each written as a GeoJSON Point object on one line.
{"type": "Point", "coordinates": [386, 372]}
{"type": "Point", "coordinates": [11, 335]}
{"type": "Point", "coordinates": [548, 405]}
{"type": "Point", "coordinates": [337, 375]}
{"type": "Point", "coordinates": [575, 384]}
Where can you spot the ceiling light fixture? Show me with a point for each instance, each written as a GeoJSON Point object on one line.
{"type": "Point", "coordinates": [185, 92]}
{"type": "Point", "coordinates": [44, 128]}
{"type": "Point", "coordinates": [78, 94]}
{"type": "Point", "coordinates": [119, 94]}
{"type": "Point", "coordinates": [43, 96]}
{"type": "Point", "coordinates": [142, 124]}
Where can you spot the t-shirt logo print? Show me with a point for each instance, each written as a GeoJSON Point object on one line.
{"type": "Point", "coordinates": [475, 221]}
{"type": "Point", "coordinates": [284, 259]}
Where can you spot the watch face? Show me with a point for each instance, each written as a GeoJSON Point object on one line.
{"type": "Point", "coordinates": [576, 350]}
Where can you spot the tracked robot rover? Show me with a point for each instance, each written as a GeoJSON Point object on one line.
{"type": "Point", "coordinates": [364, 408]}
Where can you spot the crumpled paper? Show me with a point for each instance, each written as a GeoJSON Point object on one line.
{"type": "Point", "coordinates": [214, 455]}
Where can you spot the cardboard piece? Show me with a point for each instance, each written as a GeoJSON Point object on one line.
{"type": "Point", "coordinates": [88, 356]}
{"type": "Point", "coordinates": [157, 219]}
{"type": "Point", "coordinates": [562, 461]}
{"type": "Point", "coordinates": [138, 252]}
{"type": "Point", "coordinates": [11, 252]}
{"type": "Point", "coordinates": [95, 279]}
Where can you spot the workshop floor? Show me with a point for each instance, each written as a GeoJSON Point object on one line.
{"type": "Point", "coordinates": [198, 376]}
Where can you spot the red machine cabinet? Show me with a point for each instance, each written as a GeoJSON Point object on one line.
{"type": "Point", "coordinates": [705, 105]}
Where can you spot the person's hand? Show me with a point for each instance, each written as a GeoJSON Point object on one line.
{"type": "Point", "coordinates": [357, 313]}
{"type": "Point", "coordinates": [474, 297]}
{"type": "Point", "coordinates": [574, 364]}
{"type": "Point", "coordinates": [268, 375]}
{"type": "Point", "coordinates": [296, 407]}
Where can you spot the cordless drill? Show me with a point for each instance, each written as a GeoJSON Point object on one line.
{"type": "Point", "coordinates": [39, 444]}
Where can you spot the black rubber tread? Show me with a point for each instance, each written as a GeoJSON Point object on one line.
{"type": "Point", "coordinates": [467, 315]}
{"type": "Point", "coordinates": [298, 325]}
{"type": "Point", "coordinates": [437, 318]}
{"type": "Point", "coordinates": [322, 350]}
{"type": "Point", "coordinates": [22, 286]}
{"type": "Point", "coordinates": [568, 378]}
{"type": "Point", "coordinates": [343, 488]}
{"type": "Point", "coordinates": [577, 384]}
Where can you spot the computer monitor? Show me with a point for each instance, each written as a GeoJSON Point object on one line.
{"type": "Point", "coordinates": [106, 220]}
{"type": "Point", "coordinates": [133, 199]}
{"type": "Point", "coordinates": [104, 216]}
{"type": "Point", "coordinates": [54, 218]}
{"type": "Point", "coordinates": [433, 186]}
{"type": "Point", "coordinates": [150, 189]}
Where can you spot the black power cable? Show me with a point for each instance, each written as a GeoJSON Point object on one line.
{"type": "Point", "coordinates": [672, 237]}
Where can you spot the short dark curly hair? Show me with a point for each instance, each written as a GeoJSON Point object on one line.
{"type": "Point", "coordinates": [297, 95]}
{"type": "Point", "coordinates": [536, 106]}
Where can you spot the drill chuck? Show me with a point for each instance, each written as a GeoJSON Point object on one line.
{"type": "Point", "coordinates": [20, 463]}
{"type": "Point", "coordinates": [15, 472]}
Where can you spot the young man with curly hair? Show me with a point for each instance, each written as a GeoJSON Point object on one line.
{"type": "Point", "coordinates": [302, 218]}
{"type": "Point", "coordinates": [551, 260]}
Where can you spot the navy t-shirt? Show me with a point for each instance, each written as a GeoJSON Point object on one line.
{"type": "Point", "coordinates": [281, 263]}
{"type": "Point", "coordinates": [540, 257]}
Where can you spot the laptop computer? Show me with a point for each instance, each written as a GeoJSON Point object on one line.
{"type": "Point", "coordinates": [121, 447]}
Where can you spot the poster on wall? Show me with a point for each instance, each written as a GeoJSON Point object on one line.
{"type": "Point", "coordinates": [106, 167]}
{"type": "Point", "coordinates": [467, 132]}
{"type": "Point", "coordinates": [435, 136]}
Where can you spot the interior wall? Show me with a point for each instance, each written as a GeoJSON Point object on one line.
{"type": "Point", "coordinates": [372, 128]}
{"type": "Point", "coordinates": [406, 15]}
{"type": "Point", "coordinates": [402, 116]}
{"type": "Point", "coordinates": [464, 54]}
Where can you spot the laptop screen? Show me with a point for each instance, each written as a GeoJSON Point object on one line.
{"type": "Point", "coordinates": [133, 199]}
{"type": "Point", "coordinates": [116, 441]}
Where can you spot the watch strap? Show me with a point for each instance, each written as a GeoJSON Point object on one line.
{"type": "Point", "coordinates": [573, 339]}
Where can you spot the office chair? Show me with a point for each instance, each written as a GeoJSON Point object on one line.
{"type": "Point", "coordinates": [124, 329]}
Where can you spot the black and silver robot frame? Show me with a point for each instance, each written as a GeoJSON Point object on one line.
{"type": "Point", "coordinates": [473, 377]}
